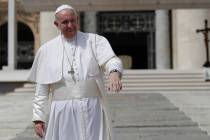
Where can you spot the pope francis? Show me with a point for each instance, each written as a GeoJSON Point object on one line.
{"type": "Point", "coordinates": [70, 66]}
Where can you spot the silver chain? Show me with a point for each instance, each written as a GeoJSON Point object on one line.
{"type": "Point", "coordinates": [73, 55]}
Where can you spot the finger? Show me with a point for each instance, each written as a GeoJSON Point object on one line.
{"type": "Point", "coordinates": [116, 86]}
{"type": "Point", "coordinates": [109, 87]}
{"type": "Point", "coordinates": [39, 133]}
{"type": "Point", "coordinates": [112, 86]}
{"type": "Point", "coordinates": [119, 86]}
{"type": "Point", "coordinates": [39, 130]}
{"type": "Point", "coordinates": [43, 130]}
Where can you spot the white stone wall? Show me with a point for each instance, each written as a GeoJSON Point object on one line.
{"type": "Point", "coordinates": [188, 46]}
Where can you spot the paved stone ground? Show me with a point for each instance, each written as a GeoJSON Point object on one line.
{"type": "Point", "coordinates": [152, 117]}
{"type": "Point", "coordinates": [149, 116]}
{"type": "Point", "coordinates": [196, 105]}
{"type": "Point", "coordinates": [15, 114]}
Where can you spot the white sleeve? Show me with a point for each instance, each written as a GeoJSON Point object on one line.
{"type": "Point", "coordinates": [114, 63]}
{"type": "Point", "coordinates": [103, 49]}
{"type": "Point", "coordinates": [40, 103]}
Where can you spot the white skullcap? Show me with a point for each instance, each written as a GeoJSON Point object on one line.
{"type": "Point", "coordinates": [62, 7]}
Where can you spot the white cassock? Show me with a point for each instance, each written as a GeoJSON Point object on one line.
{"type": "Point", "coordinates": [73, 119]}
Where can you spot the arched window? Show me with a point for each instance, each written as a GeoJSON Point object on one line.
{"type": "Point", "coordinates": [24, 52]}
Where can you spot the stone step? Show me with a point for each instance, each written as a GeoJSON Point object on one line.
{"type": "Point", "coordinates": [162, 72]}
{"type": "Point", "coordinates": [14, 124]}
{"type": "Point", "coordinates": [18, 134]}
{"type": "Point", "coordinates": [144, 133]}
{"type": "Point", "coordinates": [153, 81]}
{"type": "Point", "coordinates": [158, 80]}
{"type": "Point", "coordinates": [169, 77]}
{"type": "Point", "coordinates": [9, 132]}
{"type": "Point", "coordinates": [7, 138]}
{"type": "Point", "coordinates": [29, 85]}
{"type": "Point", "coordinates": [169, 88]}
{"type": "Point", "coordinates": [159, 90]}
{"type": "Point", "coordinates": [143, 106]}
{"type": "Point", "coordinates": [167, 137]}
{"type": "Point", "coordinates": [142, 89]}
{"type": "Point", "coordinates": [163, 80]}
{"type": "Point", "coordinates": [195, 105]}
{"type": "Point", "coordinates": [135, 122]}
{"type": "Point", "coordinates": [136, 117]}
{"type": "Point", "coordinates": [142, 112]}
{"type": "Point", "coordinates": [151, 131]}
{"type": "Point", "coordinates": [154, 84]}
{"type": "Point", "coordinates": [28, 90]}
{"type": "Point", "coordinates": [25, 138]}
{"type": "Point", "coordinates": [148, 115]}
{"type": "Point", "coordinates": [152, 73]}
{"type": "Point", "coordinates": [143, 101]}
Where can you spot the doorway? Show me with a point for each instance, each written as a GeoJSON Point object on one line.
{"type": "Point", "coordinates": [130, 44]}
{"type": "Point", "coordinates": [131, 35]}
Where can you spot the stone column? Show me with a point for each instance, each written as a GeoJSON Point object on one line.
{"type": "Point", "coordinates": [47, 28]}
{"type": "Point", "coordinates": [162, 39]}
{"type": "Point", "coordinates": [12, 38]}
{"type": "Point", "coordinates": [90, 22]}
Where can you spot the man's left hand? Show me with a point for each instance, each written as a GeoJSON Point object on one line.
{"type": "Point", "coordinates": [114, 82]}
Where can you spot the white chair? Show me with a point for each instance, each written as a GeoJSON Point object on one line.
{"type": "Point", "coordinates": [126, 60]}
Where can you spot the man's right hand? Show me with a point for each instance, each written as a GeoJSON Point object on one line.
{"type": "Point", "coordinates": [39, 128]}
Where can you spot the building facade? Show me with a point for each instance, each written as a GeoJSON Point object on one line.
{"type": "Point", "coordinates": [143, 39]}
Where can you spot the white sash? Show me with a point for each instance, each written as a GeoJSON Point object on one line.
{"type": "Point", "coordinates": [81, 89]}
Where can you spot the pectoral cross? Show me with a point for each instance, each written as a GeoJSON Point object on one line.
{"type": "Point", "coordinates": [71, 71]}
{"type": "Point", "coordinates": [72, 74]}
{"type": "Point", "coordinates": [205, 32]}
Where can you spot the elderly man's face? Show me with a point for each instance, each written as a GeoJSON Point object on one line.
{"type": "Point", "coordinates": [67, 23]}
